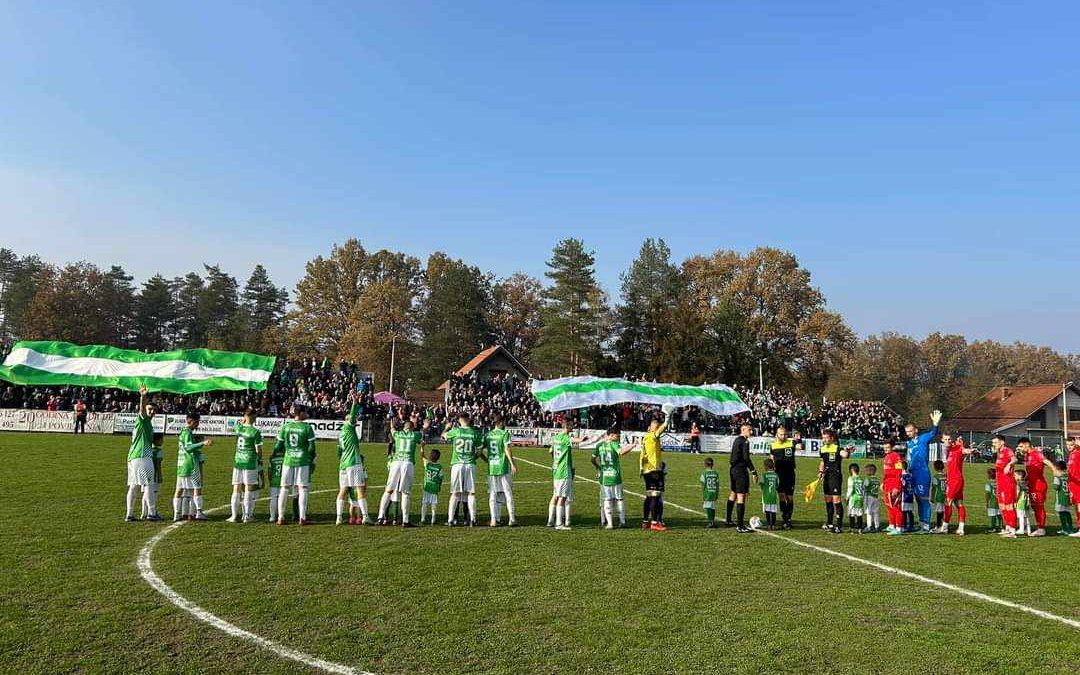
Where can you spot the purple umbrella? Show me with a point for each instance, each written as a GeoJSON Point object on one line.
{"type": "Point", "coordinates": [386, 398]}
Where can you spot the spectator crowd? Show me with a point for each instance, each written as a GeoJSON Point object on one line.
{"type": "Point", "coordinates": [324, 388]}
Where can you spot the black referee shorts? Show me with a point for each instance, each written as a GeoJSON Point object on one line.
{"type": "Point", "coordinates": [832, 484]}
{"type": "Point", "coordinates": [740, 480]}
{"type": "Point", "coordinates": [654, 480]}
{"type": "Point", "coordinates": [786, 482]}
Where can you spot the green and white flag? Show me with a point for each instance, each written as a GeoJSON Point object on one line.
{"type": "Point", "coordinates": [565, 393]}
{"type": "Point", "coordinates": [183, 371]}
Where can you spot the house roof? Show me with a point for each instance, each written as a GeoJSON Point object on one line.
{"type": "Point", "coordinates": [479, 360]}
{"type": "Point", "coordinates": [1006, 406]}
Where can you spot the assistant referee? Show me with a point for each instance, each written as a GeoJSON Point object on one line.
{"type": "Point", "coordinates": [652, 472]}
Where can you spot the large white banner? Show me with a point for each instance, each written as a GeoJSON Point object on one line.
{"type": "Point", "coordinates": [221, 425]}
{"type": "Point", "coordinates": [53, 421]}
{"type": "Point", "coordinates": [13, 419]}
{"type": "Point", "coordinates": [123, 423]}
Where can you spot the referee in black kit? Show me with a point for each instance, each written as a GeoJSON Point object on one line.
{"type": "Point", "coordinates": [783, 453]}
{"type": "Point", "coordinates": [742, 467]}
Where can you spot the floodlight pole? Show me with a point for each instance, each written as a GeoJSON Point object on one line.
{"type": "Point", "coordinates": [393, 353]}
{"type": "Point", "coordinates": [761, 375]}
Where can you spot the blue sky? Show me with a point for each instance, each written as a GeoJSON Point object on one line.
{"type": "Point", "coordinates": [922, 162]}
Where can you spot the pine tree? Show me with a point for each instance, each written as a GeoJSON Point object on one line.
{"type": "Point", "coordinates": [651, 291]}
{"type": "Point", "coordinates": [264, 302]}
{"type": "Point", "coordinates": [220, 305]}
{"type": "Point", "coordinates": [155, 315]}
{"type": "Point", "coordinates": [191, 326]}
{"type": "Point", "coordinates": [573, 335]}
{"type": "Point", "coordinates": [116, 303]}
{"type": "Point", "coordinates": [20, 280]}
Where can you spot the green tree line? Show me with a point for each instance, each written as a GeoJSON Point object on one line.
{"type": "Point", "coordinates": [709, 318]}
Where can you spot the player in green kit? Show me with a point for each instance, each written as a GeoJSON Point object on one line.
{"type": "Point", "coordinates": [466, 442]}
{"type": "Point", "coordinates": [149, 500]}
{"type": "Point", "coordinates": [274, 464]}
{"type": "Point", "coordinates": [140, 457]}
{"type": "Point", "coordinates": [501, 469]}
{"type": "Point", "coordinates": [710, 491]}
{"type": "Point", "coordinates": [605, 458]}
{"type": "Point", "coordinates": [856, 499]}
{"type": "Point", "coordinates": [297, 438]}
{"type": "Point", "coordinates": [938, 490]}
{"type": "Point", "coordinates": [189, 463]}
{"type": "Point", "coordinates": [433, 480]}
{"type": "Point", "coordinates": [399, 477]}
{"type": "Point", "coordinates": [1060, 487]}
{"type": "Point", "coordinates": [245, 474]}
{"type": "Point", "coordinates": [351, 473]}
{"type": "Point", "coordinates": [770, 492]}
{"type": "Point", "coordinates": [993, 512]}
{"type": "Point", "coordinates": [872, 499]}
{"type": "Point", "coordinates": [562, 474]}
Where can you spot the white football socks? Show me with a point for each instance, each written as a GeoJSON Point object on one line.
{"type": "Point", "coordinates": [303, 503]}
{"type": "Point", "coordinates": [132, 494]}
{"type": "Point", "coordinates": [453, 507]}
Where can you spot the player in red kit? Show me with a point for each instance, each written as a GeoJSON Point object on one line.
{"type": "Point", "coordinates": [1035, 463]}
{"type": "Point", "coordinates": [1073, 470]}
{"type": "Point", "coordinates": [890, 485]}
{"type": "Point", "coordinates": [1006, 484]}
{"type": "Point", "coordinates": [956, 453]}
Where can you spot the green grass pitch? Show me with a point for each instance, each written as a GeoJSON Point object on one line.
{"type": "Point", "coordinates": [525, 600]}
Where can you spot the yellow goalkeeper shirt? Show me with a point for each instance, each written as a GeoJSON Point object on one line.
{"type": "Point", "coordinates": [651, 452]}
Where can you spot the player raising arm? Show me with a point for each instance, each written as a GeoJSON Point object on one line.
{"type": "Point", "coordinates": [605, 458]}
{"type": "Point", "coordinates": [351, 472]}
{"type": "Point", "coordinates": [918, 445]}
{"type": "Point", "coordinates": [140, 457]}
{"type": "Point", "coordinates": [651, 464]}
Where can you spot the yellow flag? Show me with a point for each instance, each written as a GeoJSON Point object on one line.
{"type": "Point", "coordinates": [808, 494]}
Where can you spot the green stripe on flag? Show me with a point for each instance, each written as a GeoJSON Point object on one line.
{"type": "Point", "coordinates": [26, 376]}
{"type": "Point", "coordinates": [719, 395]}
{"type": "Point", "coordinates": [211, 358]}
{"type": "Point", "coordinates": [184, 371]}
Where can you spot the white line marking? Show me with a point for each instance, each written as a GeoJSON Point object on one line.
{"type": "Point", "coordinates": [870, 563]}
{"type": "Point", "coordinates": [147, 571]}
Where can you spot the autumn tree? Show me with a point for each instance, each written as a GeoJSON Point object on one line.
{"type": "Point", "coordinates": [793, 331]}
{"type": "Point", "coordinates": [516, 317]}
{"type": "Point", "coordinates": [327, 296]}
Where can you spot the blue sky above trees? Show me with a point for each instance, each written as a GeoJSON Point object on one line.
{"type": "Point", "coordinates": [921, 162]}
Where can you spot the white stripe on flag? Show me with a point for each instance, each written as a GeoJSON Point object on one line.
{"type": "Point", "coordinates": [97, 367]}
